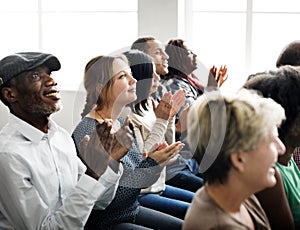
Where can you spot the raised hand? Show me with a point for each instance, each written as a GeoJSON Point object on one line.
{"type": "Point", "coordinates": [213, 71]}
{"type": "Point", "coordinates": [220, 76]}
{"type": "Point", "coordinates": [170, 104]}
{"type": "Point", "coordinates": [178, 100]}
{"type": "Point", "coordinates": [163, 109]}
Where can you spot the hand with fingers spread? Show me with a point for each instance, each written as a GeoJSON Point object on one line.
{"type": "Point", "coordinates": [220, 76]}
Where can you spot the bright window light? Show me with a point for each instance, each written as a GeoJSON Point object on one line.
{"type": "Point", "coordinates": [73, 30]}
{"type": "Point", "coordinates": [246, 35]}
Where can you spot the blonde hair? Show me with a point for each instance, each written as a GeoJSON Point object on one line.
{"type": "Point", "coordinates": [219, 125]}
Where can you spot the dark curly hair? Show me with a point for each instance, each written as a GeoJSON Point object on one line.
{"type": "Point", "coordinates": [283, 86]}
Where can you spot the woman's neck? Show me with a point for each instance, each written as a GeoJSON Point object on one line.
{"type": "Point", "coordinates": [108, 112]}
{"type": "Point", "coordinates": [231, 201]}
{"type": "Point", "coordinates": [225, 197]}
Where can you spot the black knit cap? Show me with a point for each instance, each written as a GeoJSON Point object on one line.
{"type": "Point", "coordinates": [12, 65]}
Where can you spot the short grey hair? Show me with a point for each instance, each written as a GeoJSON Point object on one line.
{"type": "Point", "coordinates": [221, 124]}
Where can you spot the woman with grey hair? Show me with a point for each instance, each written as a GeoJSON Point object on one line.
{"type": "Point", "coordinates": [236, 143]}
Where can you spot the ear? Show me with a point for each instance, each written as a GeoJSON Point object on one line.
{"type": "Point", "coordinates": [9, 94]}
{"type": "Point", "coordinates": [238, 161]}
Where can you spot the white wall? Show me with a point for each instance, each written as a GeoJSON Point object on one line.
{"type": "Point", "coordinates": [158, 18]}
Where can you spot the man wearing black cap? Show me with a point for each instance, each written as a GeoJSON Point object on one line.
{"type": "Point", "coordinates": [43, 184]}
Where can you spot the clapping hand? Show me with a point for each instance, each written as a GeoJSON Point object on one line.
{"type": "Point", "coordinates": [164, 152]}
{"type": "Point", "coordinates": [170, 104]}
{"type": "Point", "coordinates": [104, 148]}
{"type": "Point", "coordinates": [122, 141]}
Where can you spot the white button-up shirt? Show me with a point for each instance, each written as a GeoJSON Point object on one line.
{"type": "Point", "coordinates": [42, 181]}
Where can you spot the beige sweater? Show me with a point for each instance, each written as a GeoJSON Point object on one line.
{"type": "Point", "coordinates": [150, 130]}
{"type": "Point", "coordinates": [204, 213]}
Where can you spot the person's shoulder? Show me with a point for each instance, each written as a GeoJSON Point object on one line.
{"type": "Point", "coordinates": [252, 200]}
{"type": "Point", "coordinates": [206, 213]}
{"type": "Point", "coordinates": [205, 198]}
{"type": "Point", "coordinates": [9, 137]}
{"type": "Point", "coordinates": [288, 172]}
{"type": "Point", "coordinates": [203, 203]}
{"type": "Point", "coordinates": [6, 130]}
{"type": "Point", "coordinates": [173, 84]}
{"type": "Point", "coordinates": [86, 123]}
{"type": "Point", "coordinates": [294, 167]}
{"type": "Point", "coordinates": [172, 80]}
{"type": "Point", "coordinates": [257, 212]}
{"type": "Point", "coordinates": [84, 127]}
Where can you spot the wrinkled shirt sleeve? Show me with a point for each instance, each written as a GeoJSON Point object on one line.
{"type": "Point", "coordinates": [42, 182]}
{"type": "Point", "coordinates": [111, 181]}
{"type": "Point", "coordinates": [25, 208]}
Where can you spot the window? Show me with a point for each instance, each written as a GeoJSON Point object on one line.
{"type": "Point", "coordinates": [73, 30]}
{"type": "Point", "coordinates": [246, 35]}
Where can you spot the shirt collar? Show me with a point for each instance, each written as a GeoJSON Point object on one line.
{"type": "Point", "coordinates": [30, 132]}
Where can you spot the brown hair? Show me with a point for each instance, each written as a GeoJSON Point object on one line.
{"type": "Point", "coordinates": [98, 81]}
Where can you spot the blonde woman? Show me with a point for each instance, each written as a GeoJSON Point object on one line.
{"type": "Point", "coordinates": [110, 86]}
{"type": "Point", "coordinates": [236, 143]}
